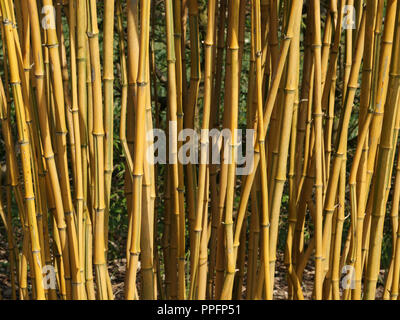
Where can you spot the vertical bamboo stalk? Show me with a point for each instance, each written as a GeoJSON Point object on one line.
{"type": "Point", "coordinates": [204, 141]}
{"type": "Point", "coordinates": [130, 280]}
{"type": "Point", "coordinates": [98, 141]}
{"type": "Point", "coordinates": [15, 82]}
{"type": "Point", "coordinates": [383, 167]}
{"type": "Point", "coordinates": [108, 79]}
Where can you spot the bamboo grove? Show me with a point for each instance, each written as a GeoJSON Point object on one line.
{"type": "Point", "coordinates": [318, 82]}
